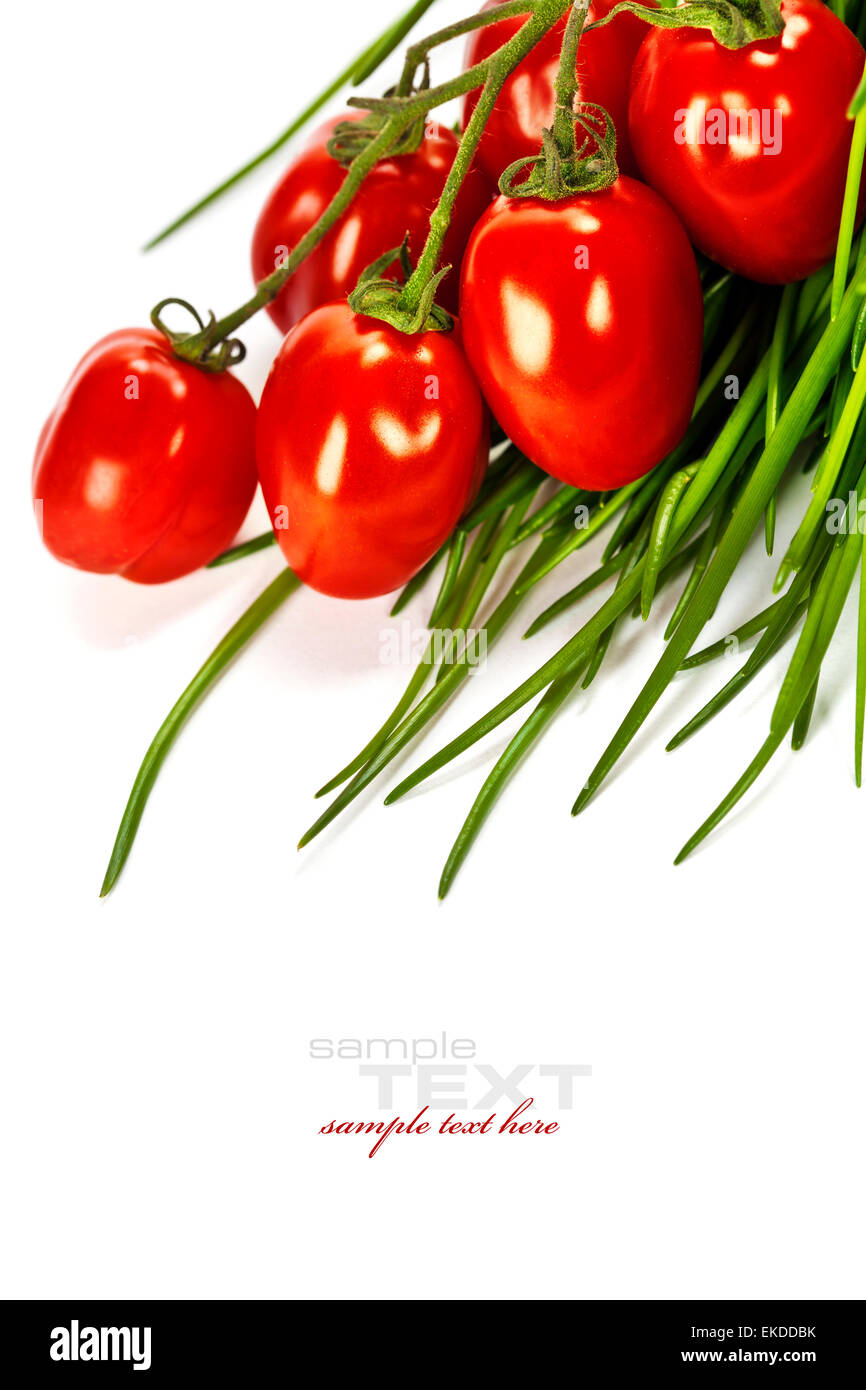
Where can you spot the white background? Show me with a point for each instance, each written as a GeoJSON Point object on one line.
{"type": "Point", "coordinates": [160, 1110]}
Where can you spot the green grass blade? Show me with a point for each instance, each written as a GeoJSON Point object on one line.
{"type": "Point", "coordinates": [778, 351]}
{"type": "Point", "coordinates": [552, 511]}
{"type": "Point", "coordinates": [582, 537]}
{"type": "Point", "coordinates": [775, 638]}
{"type": "Point", "coordinates": [831, 469]}
{"type": "Point", "coordinates": [770, 525]}
{"type": "Point", "coordinates": [532, 729]}
{"type": "Point", "coordinates": [661, 528]}
{"type": "Point", "coordinates": [860, 701]}
{"type": "Point", "coordinates": [740, 634]}
{"type": "Point", "coordinates": [828, 601]}
{"type": "Point", "coordinates": [715, 303]}
{"type": "Point", "coordinates": [598, 655]}
{"type": "Point", "coordinates": [486, 575]}
{"type": "Point", "coordinates": [426, 710]}
{"type": "Point", "coordinates": [258, 613]}
{"type": "Point", "coordinates": [673, 566]}
{"type": "Point", "coordinates": [858, 101]}
{"type": "Point", "coordinates": [858, 339]}
{"type": "Point", "coordinates": [576, 651]}
{"type": "Point", "coordinates": [749, 777]}
{"type": "Point", "coordinates": [580, 591]}
{"type": "Point", "coordinates": [761, 486]}
{"type": "Point", "coordinates": [417, 582]}
{"type": "Point", "coordinates": [790, 695]}
{"type": "Point", "coordinates": [705, 547]}
{"type": "Point", "coordinates": [849, 212]}
{"type": "Point", "coordinates": [517, 750]}
{"type": "Point", "coordinates": [519, 482]}
{"type": "Point", "coordinates": [422, 671]}
{"type": "Point", "coordinates": [239, 552]}
{"type": "Point", "coordinates": [456, 548]}
{"type": "Point", "coordinates": [801, 679]}
{"type": "Point", "coordinates": [391, 39]}
{"type": "Point", "coordinates": [804, 719]}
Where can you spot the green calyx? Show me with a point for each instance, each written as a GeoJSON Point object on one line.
{"type": "Point", "coordinates": [382, 299]}
{"type": "Point", "coordinates": [733, 25]}
{"type": "Point", "coordinates": [208, 348]}
{"type": "Point", "coordinates": [556, 174]}
{"type": "Point", "coordinates": [352, 138]}
{"type": "Point", "coordinates": [378, 298]}
{"type": "Point", "coordinates": [563, 167]}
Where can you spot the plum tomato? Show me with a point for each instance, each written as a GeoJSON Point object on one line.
{"type": "Point", "coordinates": [582, 320]}
{"type": "Point", "coordinates": [370, 445]}
{"type": "Point", "coordinates": [146, 465]}
{"type": "Point", "coordinates": [750, 145]}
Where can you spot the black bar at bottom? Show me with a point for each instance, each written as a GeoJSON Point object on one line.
{"type": "Point", "coordinates": [152, 1341]}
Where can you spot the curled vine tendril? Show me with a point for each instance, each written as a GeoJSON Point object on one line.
{"type": "Point", "coordinates": [552, 177]}
{"type": "Point", "coordinates": [206, 349]}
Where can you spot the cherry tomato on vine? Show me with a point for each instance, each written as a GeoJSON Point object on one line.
{"type": "Point", "coordinates": [371, 443]}
{"type": "Point", "coordinates": [146, 466]}
{"type": "Point", "coordinates": [583, 320]}
{"type": "Point", "coordinates": [750, 146]}
{"type": "Point", "coordinates": [525, 106]}
{"type": "Point", "coordinates": [397, 197]}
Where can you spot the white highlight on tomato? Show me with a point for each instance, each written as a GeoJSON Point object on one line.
{"type": "Point", "coordinates": [529, 328]}
{"type": "Point", "coordinates": [401, 442]}
{"type": "Point", "coordinates": [599, 310]}
{"type": "Point", "coordinates": [102, 484]}
{"type": "Point", "coordinates": [329, 467]}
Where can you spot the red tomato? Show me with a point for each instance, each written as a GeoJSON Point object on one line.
{"type": "Point", "coordinates": [763, 202]}
{"type": "Point", "coordinates": [526, 104]}
{"type": "Point", "coordinates": [583, 321]}
{"type": "Point", "coordinates": [370, 445]}
{"type": "Point", "coordinates": [146, 466]}
{"type": "Point", "coordinates": [397, 197]}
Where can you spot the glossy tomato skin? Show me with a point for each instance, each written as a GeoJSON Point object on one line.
{"type": "Point", "coordinates": [146, 466]}
{"type": "Point", "coordinates": [526, 104]}
{"type": "Point", "coordinates": [370, 444]}
{"type": "Point", "coordinates": [769, 217]}
{"type": "Point", "coordinates": [397, 197]}
{"type": "Point", "coordinates": [583, 323]}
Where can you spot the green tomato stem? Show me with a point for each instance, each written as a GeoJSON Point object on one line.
{"type": "Point", "coordinates": [566, 90]}
{"type": "Point", "coordinates": [420, 51]}
{"type": "Point", "coordinates": [498, 68]}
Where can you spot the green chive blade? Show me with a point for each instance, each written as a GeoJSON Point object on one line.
{"type": "Point", "coordinates": [753, 771]}
{"type": "Point", "coordinates": [860, 701]}
{"type": "Point", "coordinates": [239, 552]}
{"type": "Point", "coordinates": [507, 764]}
{"type": "Point", "coordinates": [237, 637]}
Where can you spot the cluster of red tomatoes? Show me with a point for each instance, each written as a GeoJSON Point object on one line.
{"type": "Point", "coordinates": [580, 321]}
